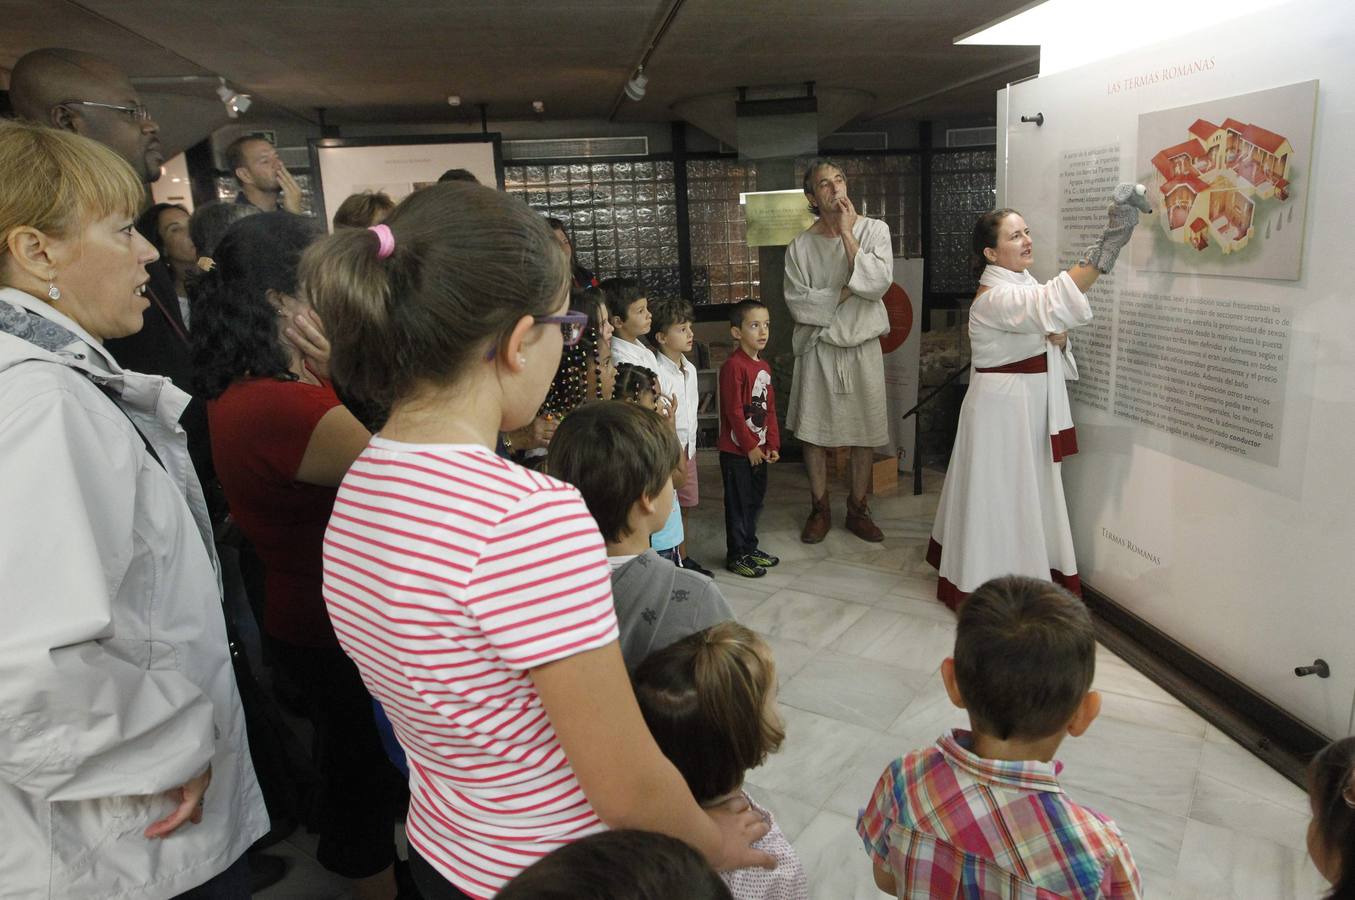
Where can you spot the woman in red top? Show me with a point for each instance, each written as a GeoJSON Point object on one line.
{"type": "Point", "coordinates": [285, 442]}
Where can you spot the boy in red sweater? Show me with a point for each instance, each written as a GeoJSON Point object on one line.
{"type": "Point", "coordinates": [749, 438]}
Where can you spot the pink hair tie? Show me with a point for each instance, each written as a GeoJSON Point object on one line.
{"type": "Point", "coordinates": [385, 240]}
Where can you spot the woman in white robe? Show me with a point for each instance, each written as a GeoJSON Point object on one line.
{"type": "Point", "coordinates": [1002, 510]}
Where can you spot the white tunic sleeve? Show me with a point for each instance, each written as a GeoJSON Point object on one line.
{"type": "Point", "coordinates": [1056, 305]}
{"type": "Point", "coordinates": [873, 268]}
{"type": "Point", "coordinates": [808, 305]}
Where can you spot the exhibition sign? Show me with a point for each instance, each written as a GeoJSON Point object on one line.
{"type": "Point", "coordinates": [1211, 494]}
{"type": "Point", "coordinates": [1229, 182]}
{"type": "Point", "coordinates": [397, 166]}
{"type": "Point", "coordinates": [775, 218]}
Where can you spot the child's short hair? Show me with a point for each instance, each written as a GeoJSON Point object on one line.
{"type": "Point", "coordinates": [705, 701]}
{"type": "Point", "coordinates": [667, 313]}
{"type": "Point", "coordinates": [618, 865]}
{"type": "Point", "coordinates": [619, 294]}
{"type": "Point", "coordinates": [362, 209]}
{"type": "Point", "coordinates": [1332, 794]}
{"type": "Point", "coordinates": [632, 381]}
{"type": "Point", "coordinates": [614, 453]}
{"type": "Point", "coordinates": [1025, 654]}
{"type": "Point", "coordinates": [740, 310]}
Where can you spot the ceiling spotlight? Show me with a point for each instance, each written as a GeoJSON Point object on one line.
{"type": "Point", "coordinates": [635, 87]}
{"type": "Point", "coordinates": [234, 101]}
{"type": "Point", "coordinates": [453, 99]}
{"type": "Point", "coordinates": [538, 106]}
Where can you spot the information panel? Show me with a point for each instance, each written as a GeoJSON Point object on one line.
{"type": "Point", "coordinates": [1212, 494]}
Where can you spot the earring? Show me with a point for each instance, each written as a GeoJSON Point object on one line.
{"type": "Point", "coordinates": [522, 360]}
{"type": "Point", "coordinates": [53, 292]}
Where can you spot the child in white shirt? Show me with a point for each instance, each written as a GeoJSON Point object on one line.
{"type": "Point", "coordinates": [671, 335]}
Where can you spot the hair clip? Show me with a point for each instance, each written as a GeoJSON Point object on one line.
{"type": "Point", "coordinates": [385, 245]}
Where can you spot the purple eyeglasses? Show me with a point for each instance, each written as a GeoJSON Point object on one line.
{"type": "Point", "coordinates": [571, 325]}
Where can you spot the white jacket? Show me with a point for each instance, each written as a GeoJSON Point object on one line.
{"type": "Point", "coordinates": [115, 679]}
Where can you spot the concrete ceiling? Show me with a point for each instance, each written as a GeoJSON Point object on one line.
{"type": "Point", "coordinates": [397, 60]}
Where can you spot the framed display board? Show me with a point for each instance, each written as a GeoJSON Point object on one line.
{"type": "Point", "coordinates": [397, 165]}
{"type": "Point", "coordinates": [1211, 496]}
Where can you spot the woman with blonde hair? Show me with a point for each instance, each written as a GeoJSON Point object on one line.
{"type": "Point", "coordinates": [123, 764]}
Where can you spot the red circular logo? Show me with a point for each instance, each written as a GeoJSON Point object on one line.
{"type": "Point", "coordinates": [900, 310]}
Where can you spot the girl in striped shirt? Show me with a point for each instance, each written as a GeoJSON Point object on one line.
{"type": "Point", "coordinates": [473, 594]}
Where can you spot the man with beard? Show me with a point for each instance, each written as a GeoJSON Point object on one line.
{"type": "Point", "coordinates": [264, 181]}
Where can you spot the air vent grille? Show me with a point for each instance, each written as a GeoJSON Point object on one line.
{"type": "Point", "coordinates": [855, 140]}
{"type": "Point", "coordinates": [575, 148]}
{"type": "Point", "coordinates": [971, 137]}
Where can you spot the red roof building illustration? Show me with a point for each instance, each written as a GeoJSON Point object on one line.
{"type": "Point", "coordinates": [1214, 178]}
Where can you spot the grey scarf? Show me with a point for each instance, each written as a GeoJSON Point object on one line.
{"type": "Point", "coordinates": [31, 327]}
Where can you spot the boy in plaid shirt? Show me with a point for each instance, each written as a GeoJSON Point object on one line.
{"type": "Point", "coordinates": [981, 813]}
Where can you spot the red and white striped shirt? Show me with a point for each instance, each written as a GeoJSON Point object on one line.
{"type": "Point", "coordinates": [449, 573]}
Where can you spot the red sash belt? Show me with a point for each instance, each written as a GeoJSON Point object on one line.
{"type": "Point", "coordinates": [1030, 366]}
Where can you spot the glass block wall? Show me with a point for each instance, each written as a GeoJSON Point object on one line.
{"type": "Point", "coordinates": [964, 186]}
{"type": "Point", "coordinates": [886, 187]}
{"type": "Point", "coordinates": [622, 216]}
{"type": "Point", "coordinates": [724, 267]}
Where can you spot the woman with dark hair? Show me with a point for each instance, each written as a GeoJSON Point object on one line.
{"type": "Point", "coordinates": [475, 595]}
{"type": "Point", "coordinates": [1331, 833]}
{"type": "Point", "coordinates": [583, 279]}
{"type": "Point", "coordinates": [283, 442]}
{"type": "Point", "coordinates": [1002, 509]}
{"type": "Point", "coordinates": [210, 223]}
{"type": "Point", "coordinates": [165, 225]}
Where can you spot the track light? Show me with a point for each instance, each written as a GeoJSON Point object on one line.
{"type": "Point", "coordinates": [234, 101]}
{"type": "Point", "coordinates": [635, 87]}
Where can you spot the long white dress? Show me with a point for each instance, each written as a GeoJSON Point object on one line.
{"type": "Point", "coordinates": [837, 392]}
{"type": "Point", "coordinates": [1002, 510]}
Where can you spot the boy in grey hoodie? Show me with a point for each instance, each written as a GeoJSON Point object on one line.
{"type": "Point", "coordinates": [621, 458]}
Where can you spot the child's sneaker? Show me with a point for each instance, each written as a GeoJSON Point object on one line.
{"type": "Point", "coordinates": [744, 566]}
{"type": "Point", "coordinates": [763, 559]}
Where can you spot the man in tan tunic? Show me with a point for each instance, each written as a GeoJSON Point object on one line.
{"type": "Point", "coordinates": [837, 272]}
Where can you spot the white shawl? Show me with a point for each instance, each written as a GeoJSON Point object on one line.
{"type": "Point", "coordinates": [1055, 306]}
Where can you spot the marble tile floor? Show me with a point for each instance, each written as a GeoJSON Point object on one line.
{"type": "Point", "coordinates": [859, 638]}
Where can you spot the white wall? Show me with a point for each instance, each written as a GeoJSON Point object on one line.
{"type": "Point", "coordinates": [1247, 563]}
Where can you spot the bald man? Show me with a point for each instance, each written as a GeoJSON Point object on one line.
{"type": "Point", "coordinates": [88, 95]}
